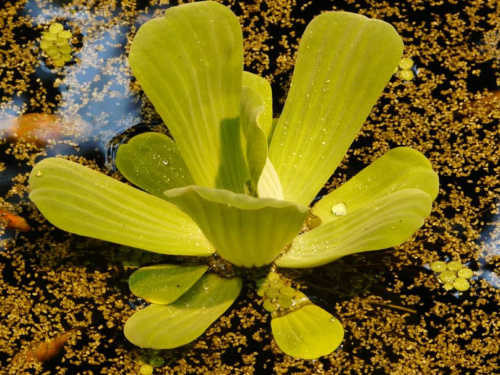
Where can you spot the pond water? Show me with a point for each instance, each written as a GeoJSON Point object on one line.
{"type": "Point", "coordinates": [397, 315]}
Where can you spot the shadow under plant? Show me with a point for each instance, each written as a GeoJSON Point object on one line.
{"type": "Point", "coordinates": [236, 185]}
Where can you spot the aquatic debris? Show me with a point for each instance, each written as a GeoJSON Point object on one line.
{"type": "Point", "coordinates": [40, 128]}
{"type": "Point", "coordinates": [48, 350]}
{"type": "Point", "coordinates": [453, 275]}
{"type": "Point", "coordinates": [488, 101]}
{"type": "Point", "coordinates": [12, 221]}
{"type": "Point", "coordinates": [44, 351]}
{"type": "Point", "coordinates": [56, 45]}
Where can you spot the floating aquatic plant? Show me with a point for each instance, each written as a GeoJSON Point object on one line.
{"type": "Point", "coordinates": [406, 69]}
{"type": "Point", "coordinates": [234, 186]}
{"type": "Point", "coordinates": [453, 275]}
{"type": "Point", "coordinates": [55, 43]}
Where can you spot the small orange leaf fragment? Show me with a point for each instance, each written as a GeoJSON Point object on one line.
{"type": "Point", "coordinates": [12, 221]}
{"type": "Point", "coordinates": [48, 350]}
{"type": "Point", "coordinates": [39, 128]}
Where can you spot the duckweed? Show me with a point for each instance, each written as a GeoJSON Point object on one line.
{"type": "Point", "coordinates": [156, 361]}
{"type": "Point", "coordinates": [438, 266]}
{"type": "Point", "coordinates": [454, 265]}
{"type": "Point", "coordinates": [55, 44]}
{"type": "Point", "coordinates": [146, 369]}
{"type": "Point", "coordinates": [272, 293]}
{"type": "Point", "coordinates": [406, 74]}
{"type": "Point", "coordinates": [270, 306]}
{"type": "Point", "coordinates": [285, 301]}
{"type": "Point", "coordinates": [447, 276]}
{"type": "Point", "coordinates": [448, 286]}
{"type": "Point", "coordinates": [406, 63]}
{"type": "Point", "coordinates": [461, 284]}
{"type": "Point", "coordinates": [277, 296]}
{"type": "Point", "coordinates": [453, 275]}
{"type": "Point", "coordinates": [406, 69]}
{"type": "Point", "coordinates": [465, 273]}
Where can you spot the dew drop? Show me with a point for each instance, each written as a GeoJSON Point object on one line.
{"type": "Point", "coordinates": [339, 209]}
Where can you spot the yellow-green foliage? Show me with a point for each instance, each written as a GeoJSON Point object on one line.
{"type": "Point", "coordinates": [56, 45]}
{"type": "Point", "coordinates": [453, 275]}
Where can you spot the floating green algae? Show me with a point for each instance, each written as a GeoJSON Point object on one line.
{"type": "Point", "coordinates": [453, 274]}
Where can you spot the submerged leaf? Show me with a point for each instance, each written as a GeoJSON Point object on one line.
{"type": "Point", "coordinates": [246, 231]}
{"type": "Point", "coordinates": [85, 202]}
{"type": "Point", "coordinates": [398, 169]}
{"type": "Point", "coordinates": [190, 65]}
{"type": "Point", "coordinates": [343, 64]}
{"type": "Point", "coordinates": [164, 283]}
{"type": "Point", "coordinates": [309, 332]}
{"type": "Point", "coordinates": [177, 324]}
{"type": "Point", "coordinates": [152, 162]}
{"type": "Point", "coordinates": [386, 222]}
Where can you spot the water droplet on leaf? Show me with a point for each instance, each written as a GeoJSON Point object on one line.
{"type": "Point", "coordinates": [339, 209]}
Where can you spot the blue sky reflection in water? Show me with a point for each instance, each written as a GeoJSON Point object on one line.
{"type": "Point", "coordinates": [95, 85]}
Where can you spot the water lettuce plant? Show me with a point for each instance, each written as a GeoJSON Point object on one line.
{"type": "Point", "coordinates": [232, 189]}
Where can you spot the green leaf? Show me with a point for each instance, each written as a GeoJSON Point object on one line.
{"type": "Point", "coordinates": [164, 283]}
{"type": "Point", "coordinates": [246, 231]}
{"type": "Point", "coordinates": [269, 185]}
{"type": "Point", "coordinates": [257, 119]}
{"type": "Point", "coordinates": [386, 222]}
{"type": "Point", "coordinates": [259, 84]}
{"type": "Point", "coordinates": [343, 64]}
{"type": "Point", "coordinates": [252, 107]}
{"type": "Point", "coordinates": [400, 168]}
{"type": "Point", "coordinates": [85, 202]}
{"type": "Point", "coordinates": [177, 324]}
{"type": "Point", "coordinates": [152, 162]}
{"type": "Point", "coordinates": [190, 65]}
{"type": "Point", "coordinates": [309, 332]}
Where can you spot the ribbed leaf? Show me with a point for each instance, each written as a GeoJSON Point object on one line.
{"type": "Point", "coordinates": [263, 87]}
{"type": "Point", "coordinates": [386, 222]}
{"type": "Point", "coordinates": [252, 107]}
{"type": "Point", "coordinates": [85, 202]}
{"type": "Point", "coordinates": [190, 65]}
{"type": "Point", "coordinates": [269, 185]}
{"type": "Point", "coordinates": [343, 63]}
{"type": "Point", "coordinates": [398, 169]}
{"type": "Point", "coordinates": [309, 332]}
{"type": "Point", "coordinates": [177, 324]}
{"type": "Point", "coordinates": [152, 161]}
{"type": "Point", "coordinates": [164, 283]}
{"type": "Point", "coordinates": [246, 231]}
